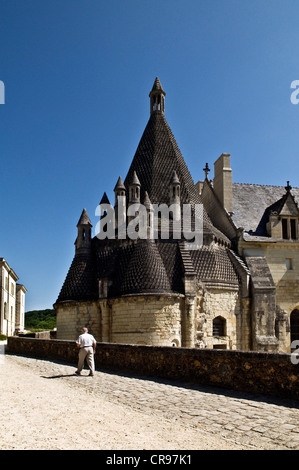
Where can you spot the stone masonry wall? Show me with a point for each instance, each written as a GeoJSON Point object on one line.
{"type": "Point", "coordinates": [213, 303]}
{"type": "Point", "coordinates": [73, 316]}
{"type": "Point", "coordinates": [134, 319]}
{"type": "Point", "coordinates": [286, 280]}
{"type": "Point", "coordinates": [256, 372]}
{"type": "Point", "coordinates": [146, 320]}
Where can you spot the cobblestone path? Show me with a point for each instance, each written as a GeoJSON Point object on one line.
{"type": "Point", "coordinates": [255, 421]}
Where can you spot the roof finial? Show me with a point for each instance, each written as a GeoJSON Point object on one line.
{"type": "Point", "coordinates": [157, 97]}
{"type": "Point", "coordinates": [288, 187]}
{"type": "Point", "coordinates": [206, 170]}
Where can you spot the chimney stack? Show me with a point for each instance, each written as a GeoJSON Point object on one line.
{"type": "Point", "coordinates": [222, 182]}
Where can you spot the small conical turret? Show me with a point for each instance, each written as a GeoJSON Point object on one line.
{"type": "Point", "coordinates": [174, 189]}
{"type": "Point", "coordinates": [134, 190]}
{"type": "Point", "coordinates": [120, 204]}
{"type": "Point", "coordinates": [83, 241]}
{"type": "Point", "coordinates": [175, 195]}
{"type": "Point", "coordinates": [119, 190]}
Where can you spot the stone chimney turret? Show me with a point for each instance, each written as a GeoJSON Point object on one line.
{"type": "Point", "coordinates": [222, 182]}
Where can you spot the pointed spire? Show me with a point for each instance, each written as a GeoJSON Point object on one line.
{"type": "Point", "coordinates": [174, 178]}
{"type": "Point", "coordinates": [157, 97]}
{"type": "Point", "coordinates": [135, 179]}
{"type": "Point", "coordinates": [84, 219]}
{"type": "Point", "coordinates": [105, 199]}
{"type": "Point", "coordinates": [157, 85]}
{"type": "Point", "coordinates": [119, 184]}
{"type": "Point", "coordinates": [147, 202]}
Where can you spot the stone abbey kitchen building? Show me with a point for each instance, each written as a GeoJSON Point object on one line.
{"type": "Point", "coordinates": [238, 290]}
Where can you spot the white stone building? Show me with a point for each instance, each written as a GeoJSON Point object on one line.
{"type": "Point", "coordinates": [12, 301]}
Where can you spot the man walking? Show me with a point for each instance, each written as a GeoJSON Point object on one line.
{"type": "Point", "coordinates": [87, 346]}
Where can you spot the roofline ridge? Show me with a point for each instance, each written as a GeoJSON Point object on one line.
{"type": "Point", "coordinates": [265, 185]}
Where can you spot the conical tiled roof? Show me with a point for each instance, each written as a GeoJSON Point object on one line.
{"type": "Point", "coordinates": [145, 272]}
{"type": "Point", "coordinates": [80, 282]}
{"type": "Point", "coordinates": [135, 179]}
{"type": "Point", "coordinates": [119, 184]}
{"type": "Point", "coordinates": [84, 219]}
{"type": "Point", "coordinates": [105, 199]}
{"type": "Point", "coordinates": [155, 160]}
{"type": "Point", "coordinates": [174, 178]}
{"type": "Point", "coordinates": [157, 85]}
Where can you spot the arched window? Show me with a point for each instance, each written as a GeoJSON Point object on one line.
{"type": "Point", "coordinates": [295, 325]}
{"type": "Point", "coordinates": [219, 326]}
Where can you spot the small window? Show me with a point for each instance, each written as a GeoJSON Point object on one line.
{"type": "Point", "coordinates": [293, 229]}
{"type": "Point", "coordinates": [289, 229]}
{"type": "Point", "coordinates": [285, 229]}
{"type": "Point", "coordinates": [289, 264]}
{"type": "Point", "coordinates": [219, 326]}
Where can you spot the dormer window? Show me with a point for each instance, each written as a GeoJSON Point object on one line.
{"type": "Point", "coordinates": [283, 217]}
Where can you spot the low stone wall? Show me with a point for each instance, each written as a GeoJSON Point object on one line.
{"type": "Point", "coordinates": [256, 372]}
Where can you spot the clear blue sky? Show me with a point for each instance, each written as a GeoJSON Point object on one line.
{"type": "Point", "coordinates": [77, 74]}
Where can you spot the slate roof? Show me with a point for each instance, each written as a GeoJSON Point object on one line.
{"type": "Point", "coordinates": [144, 267]}
{"type": "Point", "coordinates": [144, 271]}
{"type": "Point", "coordinates": [156, 158]}
{"type": "Point", "coordinates": [80, 282]}
{"type": "Point", "coordinates": [213, 265]}
{"type": "Point", "coordinates": [260, 273]}
{"type": "Point", "coordinates": [252, 204]}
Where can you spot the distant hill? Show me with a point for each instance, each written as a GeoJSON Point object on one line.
{"type": "Point", "coordinates": [40, 319]}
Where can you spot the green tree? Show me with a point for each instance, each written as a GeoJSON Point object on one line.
{"type": "Point", "coordinates": [40, 319]}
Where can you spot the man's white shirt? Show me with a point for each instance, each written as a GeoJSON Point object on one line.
{"type": "Point", "coordinates": [85, 340]}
